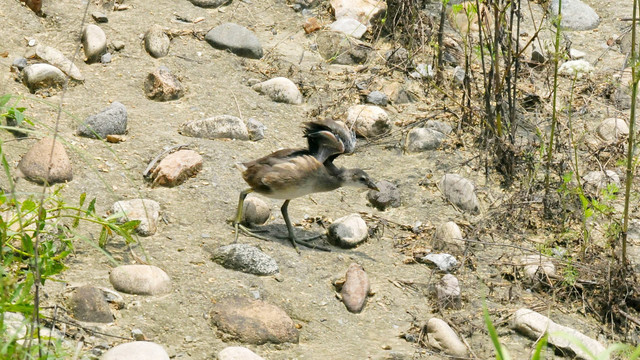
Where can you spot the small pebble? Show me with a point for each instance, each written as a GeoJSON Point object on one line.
{"type": "Point", "coordinates": [348, 232]}
{"type": "Point", "coordinates": [99, 17]}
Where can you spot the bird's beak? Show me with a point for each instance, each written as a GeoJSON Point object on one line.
{"type": "Point", "coordinates": [371, 185]}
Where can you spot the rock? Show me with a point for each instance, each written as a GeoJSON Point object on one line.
{"type": "Point", "coordinates": [57, 59]}
{"type": "Point", "coordinates": [210, 3]}
{"type": "Point", "coordinates": [612, 129]}
{"type": "Point", "coordinates": [377, 98]}
{"type": "Point", "coordinates": [34, 5]}
{"type": "Point", "coordinates": [19, 63]}
{"type": "Point", "coordinates": [255, 129]}
{"type": "Point", "coordinates": [448, 236]}
{"type": "Point", "coordinates": [105, 58]}
{"type": "Point", "coordinates": [43, 76]}
{"type": "Point", "coordinates": [255, 211]}
{"type": "Point", "coordinates": [136, 350]}
{"type": "Point", "coordinates": [537, 54]}
{"type": "Point", "coordinates": [348, 26]}
{"type": "Point", "coordinates": [576, 54]}
{"type": "Point", "coordinates": [398, 58]}
{"type": "Point", "coordinates": [252, 321]}
{"type": "Point", "coordinates": [177, 167]}
{"type": "Point", "coordinates": [595, 182]}
{"type": "Point", "coordinates": [117, 45]}
{"type": "Point", "coordinates": [235, 38]}
{"type": "Point", "coordinates": [94, 42]}
{"type": "Point", "coordinates": [460, 191]}
{"type": "Point", "coordinates": [423, 71]}
{"type": "Point", "coordinates": [440, 336]}
{"type": "Point", "coordinates": [145, 210]}
{"type": "Point", "coordinates": [444, 262]}
{"type": "Point", "coordinates": [537, 267]}
{"type": "Point", "coordinates": [355, 289]}
{"type": "Point", "coordinates": [576, 15]}
{"type": "Point", "coordinates": [217, 127]}
{"type": "Point", "coordinates": [348, 231]}
{"type": "Point", "coordinates": [156, 41]}
{"type": "Point", "coordinates": [140, 280]}
{"type": "Point", "coordinates": [440, 126]}
{"type": "Point", "coordinates": [311, 25]}
{"type": "Point", "coordinates": [370, 121]}
{"type": "Point", "coordinates": [110, 121]}
{"type": "Point", "coordinates": [280, 89]}
{"type": "Point", "coordinates": [459, 75]}
{"type": "Point", "coordinates": [237, 353]}
{"type": "Point", "coordinates": [448, 292]}
{"type": "Point", "coordinates": [398, 93]}
{"type": "Point", "coordinates": [388, 195]}
{"type": "Point", "coordinates": [337, 48]}
{"type": "Point", "coordinates": [365, 11]}
{"type": "Point", "coordinates": [15, 325]}
{"type": "Point", "coordinates": [245, 258]}
{"type": "Point", "coordinates": [534, 325]}
{"type": "Point", "coordinates": [575, 68]}
{"type": "Point", "coordinates": [35, 162]}
{"type": "Point", "coordinates": [162, 85]}
{"type": "Point", "coordinates": [99, 17]}
{"type": "Point", "coordinates": [422, 139]}
{"type": "Point", "coordinates": [89, 304]}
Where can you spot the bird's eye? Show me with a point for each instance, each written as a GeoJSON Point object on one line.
{"type": "Point", "coordinates": [363, 179]}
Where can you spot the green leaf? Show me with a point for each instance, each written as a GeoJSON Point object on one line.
{"type": "Point", "coordinates": [541, 345]}
{"type": "Point", "coordinates": [500, 354]}
{"type": "Point", "coordinates": [28, 206]}
{"type": "Point", "coordinates": [91, 209]}
{"type": "Point", "coordinates": [4, 99]}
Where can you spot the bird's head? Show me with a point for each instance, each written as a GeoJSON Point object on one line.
{"type": "Point", "coordinates": [358, 178]}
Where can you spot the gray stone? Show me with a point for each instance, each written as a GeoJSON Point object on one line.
{"type": "Point", "coordinates": [110, 121]}
{"type": "Point", "coordinates": [370, 120]}
{"type": "Point", "coordinates": [235, 38]}
{"type": "Point", "coordinates": [348, 231]}
{"type": "Point", "coordinates": [255, 211]}
{"type": "Point", "coordinates": [280, 89]}
{"type": "Point", "coordinates": [99, 17]}
{"type": "Point", "coordinates": [89, 304]}
{"type": "Point", "coordinates": [348, 26]}
{"type": "Point", "coordinates": [537, 54]}
{"type": "Point", "coordinates": [443, 127]}
{"type": "Point", "coordinates": [422, 139]}
{"type": "Point", "coordinates": [611, 129]}
{"type": "Point", "coordinates": [35, 162]}
{"type": "Point", "coordinates": [338, 48]}
{"type": "Point", "coordinates": [43, 76]}
{"type": "Point", "coordinates": [448, 236]}
{"type": "Point", "coordinates": [458, 75]}
{"type": "Point", "coordinates": [440, 336]}
{"type": "Point", "coordinates": [210, 3]}
{"type": "Point", "coordinates": [140, 280]}
{"type": "Point", "coordinates": [176, 168]}
{"type": "Point", "coordinates": [448, 292]}
{"type": "Point", "coordinates": [136, 350]}
{"type": "Point", "coordinates": [576, 15]}
{"type": "Point", "coordinates": [399, 58]}
{"type": "Point", "coordinates": [162, 85]}
{"type": "Point", "coordinates": [594, 182]}
{"type": "Point", "coordinates": [387, 196]}
{"type": "Point", "coordinates": [19, 63]}
{"type": "Point", "coordinates": [460, 191]}
{"type": "Point", "coordinates": [252, 321]}
{"type": "Point", "coordinates": [145, 210]}
{"type": "Point", "coordinates": [535, 325]}
{"type": "Point", "coordinates": [156, 41]}
{"type": "Point", "coordinates": [105, 58]}
{"type": "Point", "coordinates": [238, 353]}
{"type": "Point", "coordinates": [217, 127]}
{"type": "Point", "coordinates": [255, 129]}
{"type": "Point", "coordinates": [355, 289]}
{"type": "Point", "coordinates": [377, 98]}
{"type": "Point", "coordinates": [94, 41]}
{"type": "Point", "coordinates": [57, 59]}
{"type": "Point", "coordinates": [444, 262]}
{"type": "Point", "coordinates": [245, 258]}
{"type": "Point", "coordinates": [16, 325]}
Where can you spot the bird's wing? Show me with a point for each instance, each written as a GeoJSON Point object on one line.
{"type": "Point", "coordinates": [329, 138]}
{"type": "Point", "coordinates": [292, 172]}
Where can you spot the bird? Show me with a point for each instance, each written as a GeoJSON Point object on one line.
{"type": "Point", "coordinates": [291, 173]}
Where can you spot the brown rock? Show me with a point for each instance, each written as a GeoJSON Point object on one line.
{"type": "Point", "coordinates": [35, 162]}
{"type": "Point", "coordinates": [162, 85]}
{"type": "Point", "coordinates": [311, 25]}
{"type": "Point", "coordinates": [89, 304]}
{"type": "Point", "coordinates": [35, 5]}
{"type": "Point", "coordinates": [253, 321]}
{"type": "Point", "coordinates": [355, 288]}
{"type": "Point", "coordinates": [176, 168]}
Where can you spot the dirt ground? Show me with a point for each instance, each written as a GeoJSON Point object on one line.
{"type": "Point", "coordinates": [195, 212]}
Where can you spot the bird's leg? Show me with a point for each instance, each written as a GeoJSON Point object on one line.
{"type": "Point", "coordinates": [285, 215]}
{"type": "Point", "coordinates": [236, 222]}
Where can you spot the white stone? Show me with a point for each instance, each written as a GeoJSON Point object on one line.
{"type": "Point", "coordinates": [448, 236]}
{"type": "Point", "coordinates": [94, 41]}
{"type": "Point", "coordinates": [369, 120]}
{"type": "Point", "coordinates": [362, 10]}
{"type": "Point", "coordinates": [460, 191]}
{"type": "Point", "coordinates": [440, 336]}
{"type": "Point", "coordinates": [56, 58]}
{"type": "Point", "coordinates": [280, 89]}
{"type": "Point", "coordinates": [611, 129]}
{"type": "Point", "coordinates": [349, 26]}
{"type": "Point", "coordinates": [137, 350]}
{"type": "Point", "coordinates": [575, 68]}
{"type": "Point", "coordinates": [444, 262]}
{"type": "Point", "coordinates": [348, 231]}
{"type": "Point", "coordinates": [238, 353]}
{"type": "Point", "coordinates": [255, 211]}
{"type": "Point", "coordinates": [537, 266]}
{"type": "Point", "coordinates": [42, 76]}
{"type": "Point", "coordinates": [217, 127]}
{"type": "Point", "coordinates": [140, 279]}
{"type": "Point", "coordinates": [145, 210]}
{"type": "Point", "coordinates": [423, 139]}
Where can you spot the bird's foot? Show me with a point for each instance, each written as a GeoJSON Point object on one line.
{"type": "Point", "coordinates": [303, 242]}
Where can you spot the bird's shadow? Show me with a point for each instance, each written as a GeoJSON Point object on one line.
{"type": "Point", "coordinates": [278, 232]}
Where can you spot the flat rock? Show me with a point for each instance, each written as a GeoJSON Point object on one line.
{"type": "Point", "coordinates": [364, 11]}
{"type": "Point", "coordinates": [387, 196]}
{"type": "Point", "coordinates": [349, 26]}
{"type": "Point", "coordinates": [370, 121]}
{"type": "Point", "coordinates": [440, 336]}
{"type": "Point", "coordinates": [338, 48]}
{"type": "Point", "coordinates": [162, 85]}
{"type": "Point", "coordinates": [110, 121]}
{"type": "Point", "coordinates": [444, 262]}
{"type": "Point", "coordinates": [94, 41]}
{"type": "Point", "coordinates": [255, 211]}
{"type": "Point", "coordinates": [440, 126]}
{"type": "Point", "coordinates": [136, 350]}
{"type": "Point", "coordinates": [355, 289]}
{"type": "Point", "coordinates": [99, 17]}
{"type": "Point", "coordinates": [246, 258]}
{"type": "Point", "coordinates": [576, 15]}
{"type": "Point", "coordinates": [460, 191]}
{"type": "Point", "coordinates": [377, 98]}
{"type": "Point", "coordinates": [210, 3]}
{"type": "Point", "coordinates": [255, 129]}
{"type": "Point", "coordinates": [280, 89]}
{"type": "Point", "coordinates": [534, 325]}
{"type": "Point", "coordinates": [35, 162]}
{"type": "Point", "coordinates": [56, 58]}
{"type": "Point", "coordinates": [235, 38]}
{"type": "Point", "coordinates": [448, 236]}
{"type": "Point", "coordinates": [140, 280]}
{"type": "Point", "coordinates": [448, 292]}
{"type": "Point", "coordinates": [253, 321]}
{"type": "Point", "coordinates": [348, 231]}
{"type": "Point", "coordinates": [145, 210]}
{"type": "Point", "coordinates": [611, 129]}
{"type": "Point", "coordinates": [89, 304]}
{"type": "Point", "coordinates": [177, 167]}
{"type": "Point", "coordinates": [156, 41]}
{"type": "Point", "coordinates": [423, 139]}
{"type": "Point", "coordinates": [217, 127]}
{"type": "Point", "coordinates": [43, 76]}
{"type": "Point", "coordinates": [238, 353]}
